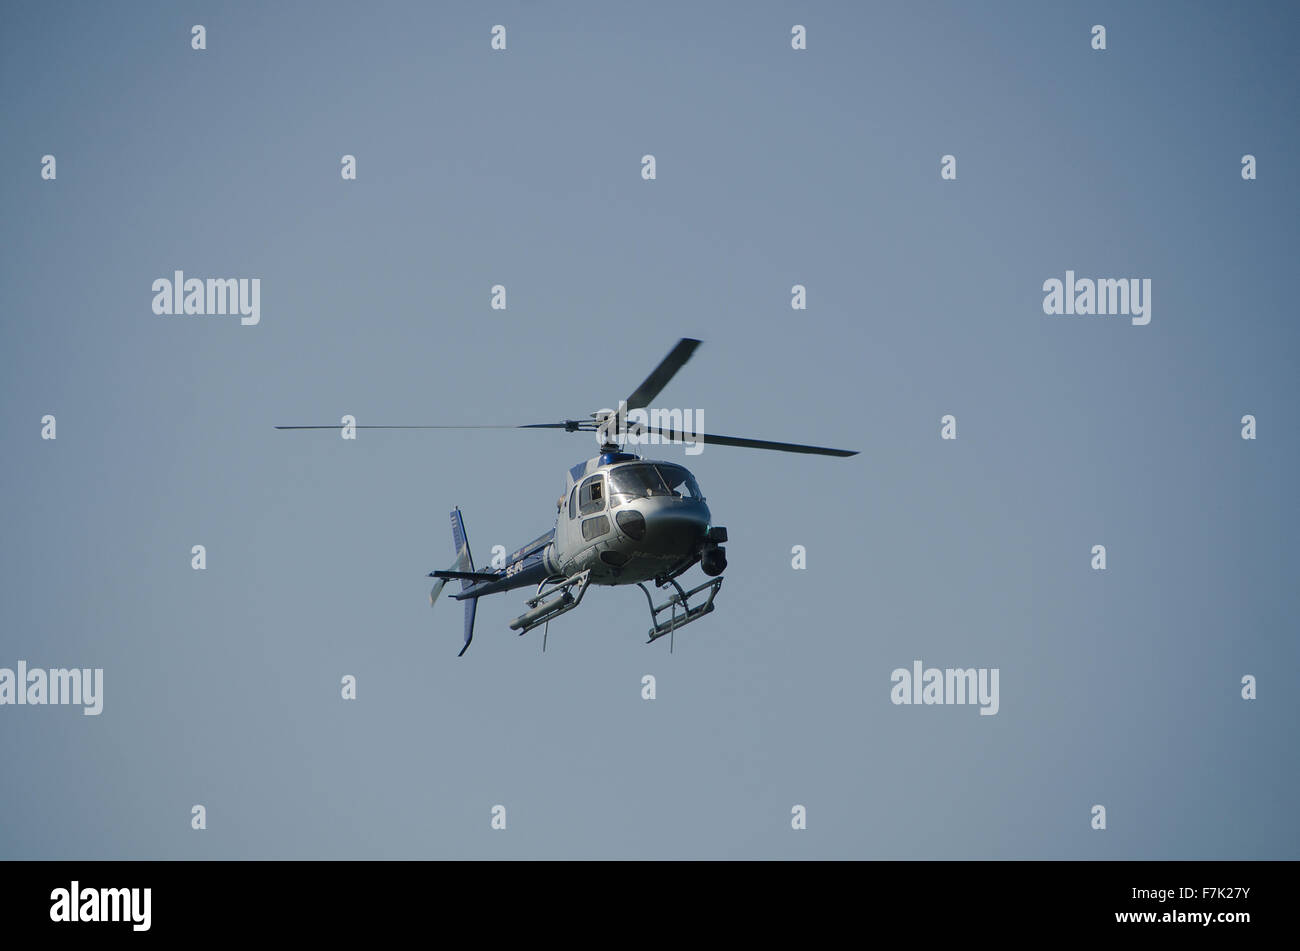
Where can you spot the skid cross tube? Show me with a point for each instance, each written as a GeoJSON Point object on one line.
{"type": "Point", "coordinates": [682, 597]}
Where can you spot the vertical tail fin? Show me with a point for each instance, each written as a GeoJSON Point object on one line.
{"type": "Point", "coordinates": [471, 605]}
{"type": "Point", "coordinates": [464, 562]}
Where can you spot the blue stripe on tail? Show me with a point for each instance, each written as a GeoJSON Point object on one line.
{"type": "Point", "coordinates": [464, 560]}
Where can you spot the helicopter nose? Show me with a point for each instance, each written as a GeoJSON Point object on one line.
{"type": "Point", "coordinates": [673, 526]}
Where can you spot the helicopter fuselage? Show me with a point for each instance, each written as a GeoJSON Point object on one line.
{"type": "Point", "coordinates": [625, 520]}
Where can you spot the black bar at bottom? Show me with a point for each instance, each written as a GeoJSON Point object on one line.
{"type": "Point", "coordinates": [653, 900]}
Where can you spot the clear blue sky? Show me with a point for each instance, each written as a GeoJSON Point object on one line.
{"type": "Point", "coordinates": [775, 167]}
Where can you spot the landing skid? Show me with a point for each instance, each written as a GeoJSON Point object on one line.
{"type": "Point", "coordinates": [682, 598]}
{"type": "Point", "coordinates": [548, 604]}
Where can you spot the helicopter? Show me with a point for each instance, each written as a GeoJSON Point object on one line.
{"type": "Point", "coordinates": [622, 520]}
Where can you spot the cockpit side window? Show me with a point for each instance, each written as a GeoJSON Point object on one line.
{"type": "Point", "coordinates": [573, 503]}
{"type": "Point", "coordinates": [591, 495]}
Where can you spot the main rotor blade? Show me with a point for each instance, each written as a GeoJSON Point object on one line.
{"type": "Point", "coordinates": [677, 436]}
{"type": "Point", "coordinates": [572, 425]}
{"type": "Point", "coordinates": [659, 378]}
{"type": "Point", "coordinates": [340, 426]}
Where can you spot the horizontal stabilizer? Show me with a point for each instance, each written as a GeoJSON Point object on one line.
{"type": "Point", "coordinates": [464, 575]}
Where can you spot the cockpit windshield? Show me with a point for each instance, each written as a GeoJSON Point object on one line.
{"type": "Point", "coordinates": [636, 482]}
{"type": "Point", "coordinates": [644, 480]}
{"type": "Point", "coordinates": [680, 482]}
